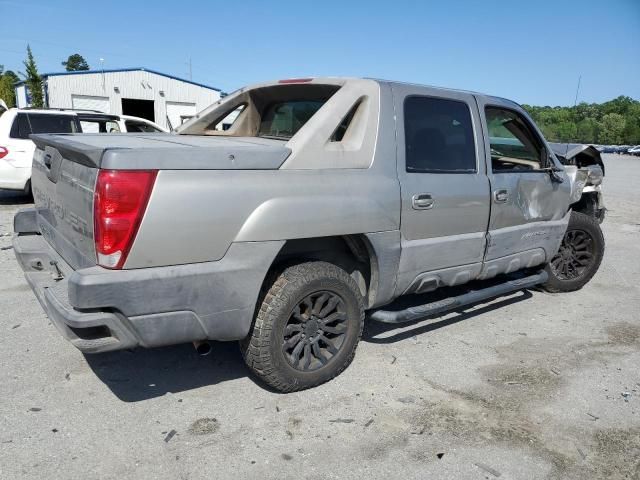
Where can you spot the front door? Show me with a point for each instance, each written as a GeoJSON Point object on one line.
{"type": "Point", "coordinates": [444, 188]}
{"type": "Point", "coordinates": [528, 205]}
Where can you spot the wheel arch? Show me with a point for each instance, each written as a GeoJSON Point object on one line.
{"type": "Point", "coordinates": [354, 253]}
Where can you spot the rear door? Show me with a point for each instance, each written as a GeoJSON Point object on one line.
{"type": "Point", "coordinates": [528, 208]}
{"type": "Point", "coordinates": [444, 188]}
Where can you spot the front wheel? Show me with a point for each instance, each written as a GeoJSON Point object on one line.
{"type": "Point", "coordinates": [307, 327]}
{"type": "Point", "coordinates": [579, 256]}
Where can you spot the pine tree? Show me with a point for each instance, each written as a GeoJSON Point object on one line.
{"type": "Point", "coordinates": [33, 80]}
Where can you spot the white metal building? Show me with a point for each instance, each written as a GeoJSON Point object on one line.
{"type": "Point", "coordinates": [141, 92]}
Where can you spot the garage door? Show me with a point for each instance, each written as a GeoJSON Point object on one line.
{"type": "Point", "coordinates": [86, 102]}
{"type": "Point", "coordinates": [180, 112]}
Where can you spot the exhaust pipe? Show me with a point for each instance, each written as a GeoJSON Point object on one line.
{"type": "Point", "coordinates": [203, 348]}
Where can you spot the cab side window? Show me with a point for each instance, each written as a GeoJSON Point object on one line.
{"type": "Point", "coordinates": [515, 146]}
{"type": "Point", "coordinates": [438, 136]}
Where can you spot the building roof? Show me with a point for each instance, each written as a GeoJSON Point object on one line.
{"type": "Point", "coordinates": [117, 70]}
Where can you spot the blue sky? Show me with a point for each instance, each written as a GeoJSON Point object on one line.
{"type": "Point", "coordinates": [529, 51]}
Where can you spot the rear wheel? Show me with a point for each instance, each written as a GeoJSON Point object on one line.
{"type": "Point", "coordinates": [579, 256]}
{"type": "Point", "coordinates": [307, 328]}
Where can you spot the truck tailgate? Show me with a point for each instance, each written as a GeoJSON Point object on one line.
{"type": "Point", "coordinates": [65, 169]}
{"type": "Point", "coordinates": [63, 195]}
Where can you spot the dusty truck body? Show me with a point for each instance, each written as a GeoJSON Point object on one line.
{"type": "Point", "coordinates": [324, 199]}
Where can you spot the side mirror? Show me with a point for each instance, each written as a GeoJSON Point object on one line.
{"type": "Point", "coordinates": [553, 174]}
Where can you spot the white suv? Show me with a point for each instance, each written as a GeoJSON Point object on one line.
{"type": "Point", "coordinates": [16, 149]}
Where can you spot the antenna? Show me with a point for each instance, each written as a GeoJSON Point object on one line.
{"type": "Point", "coordinates": [575, 103]}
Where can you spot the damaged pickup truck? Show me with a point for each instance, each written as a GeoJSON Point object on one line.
{"type": "Point", "coordinates": [319, 203]}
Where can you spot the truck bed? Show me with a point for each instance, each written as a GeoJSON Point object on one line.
{"type": "Point", "coordinates": [166, 151]}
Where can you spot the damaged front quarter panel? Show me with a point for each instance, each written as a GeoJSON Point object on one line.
{"type": "Point", "coordinates": [578, 179]}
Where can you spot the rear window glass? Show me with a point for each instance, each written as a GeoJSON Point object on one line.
{"type": "Point", "coordinates": [438, 136]}
{"type": "Point", "coordinates": [284, 119]}
{"type": "Point", "coordinates": [27, 123]}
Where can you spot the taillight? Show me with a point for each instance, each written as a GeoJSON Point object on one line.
{"type": "Point", "coordinates": [3, 152]}
{"type": "Point", "coordinates": [120, 201]}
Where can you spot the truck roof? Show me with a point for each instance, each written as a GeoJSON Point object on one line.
{"type": "Point", "coordinates": [338, 80]}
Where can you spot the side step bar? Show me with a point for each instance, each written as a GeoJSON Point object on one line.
{"type": "Point", "coordinates": [434, 308]}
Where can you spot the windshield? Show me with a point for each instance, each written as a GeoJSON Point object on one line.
{"type": "Point", "coordinates": [284, 119]}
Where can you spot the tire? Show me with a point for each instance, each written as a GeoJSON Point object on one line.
{"type": "Point", "coordinates": [314, 303]}
{"type": "Point", "coordinates": [27, 189]}
{"type": "Point", "coordinates": [579, 256]}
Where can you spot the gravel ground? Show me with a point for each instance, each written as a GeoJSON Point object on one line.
{"type": "Point", "coordinates": [528, 386]}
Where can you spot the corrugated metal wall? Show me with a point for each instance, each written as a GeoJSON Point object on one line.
{"type": "Point", "coordinates": [140, 85]}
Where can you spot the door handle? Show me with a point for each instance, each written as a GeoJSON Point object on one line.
{"type": "Point", "coordinates": [500, 196]}
{"type": "Point", "coordinates": [422, 201]}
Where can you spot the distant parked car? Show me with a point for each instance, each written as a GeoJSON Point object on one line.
{"type": "Point", "coordinates": [16, 125]}
{"type": "Point", "coordinates": [622, 149]}
{"type": "Point", "coordinates": [634, 150]}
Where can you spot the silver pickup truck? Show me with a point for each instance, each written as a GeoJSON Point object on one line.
{"type": "Point", "coordinates": [288, 211]}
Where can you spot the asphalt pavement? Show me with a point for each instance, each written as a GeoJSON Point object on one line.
{"type": "Point", "coordinates": [532, 385]}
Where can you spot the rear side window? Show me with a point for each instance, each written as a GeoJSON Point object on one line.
{"type": "Point", "coordinates": [438, 136]}
{"type": "Point", "coordinates": [27, 123]}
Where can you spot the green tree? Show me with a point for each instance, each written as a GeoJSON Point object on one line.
{"type": "Point", "coordinates": [33, 80]}
{"type": "Point", "coordinates": [613, 125]}
{"type": "Point", "coordinates": [587, 131]}
{"type": "Point", "coordinates": [614, 122]}
{"type": "Point", "coordinates": [8, 80]}
{"type": "Point", "coordinates": [75, 63]}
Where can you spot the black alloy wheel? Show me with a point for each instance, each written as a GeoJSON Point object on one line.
{"type": "Point", "coordinates": [575, 256]}
{"type": "Point", "coordinates": [315, 331]}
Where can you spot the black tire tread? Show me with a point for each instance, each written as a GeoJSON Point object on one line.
{"type": "Point", "coordinates": [256, 347]}
{"type": "Point", "coordinates": [587, 223]}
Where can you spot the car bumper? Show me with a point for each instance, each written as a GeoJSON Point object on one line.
{"type": "Point", "coordinates": [13, 178]}
{"type": "Point", "coordinates": [100, 310]}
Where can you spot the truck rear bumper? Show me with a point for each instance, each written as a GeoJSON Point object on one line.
{"type": "Point", "coordinates": [89, 331]}
{"type": "Point", "coordinates": [99, 310]}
